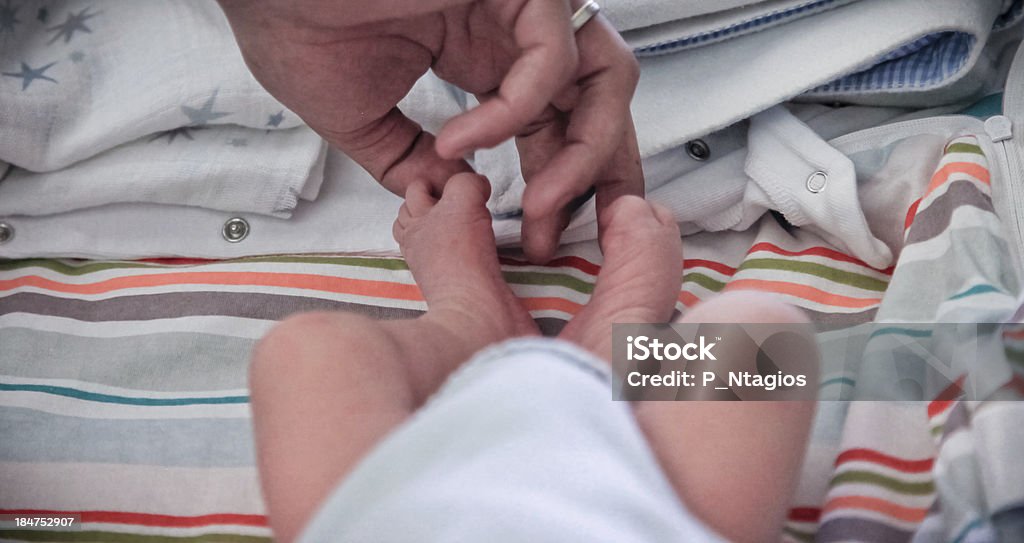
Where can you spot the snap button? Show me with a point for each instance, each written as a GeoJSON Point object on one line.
{"type": "Point", "coordinates": [235, 230]}
{"type": "Point", "coordinates": [698, 150]}
{"type": "Point", "coordinates": [817, 181]}
{"type": "Point", "coordinates": [6, 232]}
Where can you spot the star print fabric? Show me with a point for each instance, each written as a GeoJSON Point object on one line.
{"type": "Point", "coordinates": [115, 101]}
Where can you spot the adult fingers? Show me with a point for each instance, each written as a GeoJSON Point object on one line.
{"type": "Point", "coordinates": [547, 64]}
{"type": "Point", "coordinates": [540, 234]}
{"type": "Point", "coordinates": [396, 152]}
{"type": "Point", "coordinates": [622, 176]}
{"type": "Point", "coordinates": [599, 126]}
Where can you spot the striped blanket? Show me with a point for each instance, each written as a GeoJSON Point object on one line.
{"type": "Point", "coordinates": [123, 394]}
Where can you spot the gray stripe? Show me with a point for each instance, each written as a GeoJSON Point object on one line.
{"type": "Point", "coordinates": [855, 529]}
{"type": "Point", "coordinates": [174, 361]}
{"type": "Point", "coordinates": [918, 288]}
{"type": "Point", "coordinates": [936, 218]}
{"type": "Point", "coordinates": [838, 321]}
{"type": "Point", "coordinates": [957, 419]}
{"type": "Point", "coordinates": [187, 304]}
{"type": "Point", "coordinates": [35, 436]}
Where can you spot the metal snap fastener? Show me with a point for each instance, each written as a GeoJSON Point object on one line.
{"type": "Point", "coordinates": [817, 181]}
{"type": "Point", "coordinates": [698, 150]}
{"type": "Point", "coordinates": [235, 230]}
{"type": "Point", "coordinates": [6, 232]}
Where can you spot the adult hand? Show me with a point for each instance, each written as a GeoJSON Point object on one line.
{"type": "Point", "coordinates": [343, 66]}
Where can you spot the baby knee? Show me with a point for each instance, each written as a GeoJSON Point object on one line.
{"type": "Point", "coordinates": [301, 343]}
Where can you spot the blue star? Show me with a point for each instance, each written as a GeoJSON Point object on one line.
{"type": "Point", "coordinates": [183, 131]}
{"type": "Point", "coordinates": [28, 75]}
{"type": "Point", "coordinates": [8, 17]}
{"type": "Point", "coordinates": [202, 116]}
{"type": "Point", "coordinates": [275, 119]}
{"type": "Point", "coordinates": [74, 22]}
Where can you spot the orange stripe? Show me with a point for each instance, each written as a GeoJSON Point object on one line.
{"type": "Point", "coordinates": [802, 291]}
{"type": "Point", "coordinates": [878, 505]}
{"type": "Point", "coordinates": [342, 285]}
{"type": "Point", "coordinates": [688, 299]}
{"type": "Point", "coordinates": [556, 304]}
{"type": "Point", "coordinates": [942, 175]}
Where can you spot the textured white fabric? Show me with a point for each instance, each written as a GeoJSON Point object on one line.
{"type": "Point", "coordinates": [128, 77]}
{"type": "Point", "coordinates": [484, 462]}
{"type": "Point", "coordinates": [122, 101]}
{"type": "Point", "coordinates": [683, 96]}
{"type": "Point", "coordinates": [354, 214]}
{"type": "Point", "coordinates": [229, 168]}
{"type": "Point", "coordinates": [631, 14]}
{"type": "Point", "coordinates": [669, 30]}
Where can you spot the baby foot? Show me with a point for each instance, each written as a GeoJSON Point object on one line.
{"type": "Point", "coordinates": [640, 279]}
{"type": "Point", "coordinates": [450, 249]}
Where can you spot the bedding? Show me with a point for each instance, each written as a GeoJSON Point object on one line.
{"type": "Point", "coordinates": [123, 393]}
{"type": "Point", "coordinates": [119, 101]}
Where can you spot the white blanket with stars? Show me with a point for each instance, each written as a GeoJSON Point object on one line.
{"type": "Point", "coordinates": [117, 101]}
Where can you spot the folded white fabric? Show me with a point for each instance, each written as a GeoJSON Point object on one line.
{"type": "Point", "coordinates": [633, 14]}
{"type": "Point", "coordinates": [682, 96]}
{"type": "Point", "coordinates": [665, 36]}
{"type": "Point", "coordinates": [354, 214]}
{"type": "Point", "coordinates": [228, 168]}
{"type": "Point", "coordinates": [121, 101]}
{"type": "Point", "coordinates": [708, 65]}
{"type": "Point", "coordinates": [81, 77]}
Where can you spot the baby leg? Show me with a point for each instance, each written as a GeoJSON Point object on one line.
{"type": "Point", "coordinates": [734, 464]}
{"type": "Point", "coordinates": [326, 387]}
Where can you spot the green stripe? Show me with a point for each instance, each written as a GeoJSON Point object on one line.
{"type": "Point", "coordinates": [548, 279]}
{"type": "Point", "coordinates": [121, 537]}
{"type": "Point", "coordinates": [704, 280]}
{"type": "Point", "coordinates": [1015, 356]}
{"type": "Point", "coordinates": [68, 269]}
{"type": "Point", "coordinates": [394, 264]}
{"type": "Point", "coordinates": [871, 478]}
{"type": "Point", "coordinates": [818, 270]}
{"type": "Point", "coordinates": [126, 400]}
{"type": "Point", "coordinates": [965, 148]}
{"type": "Point", "coordinates": [806, 537]}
